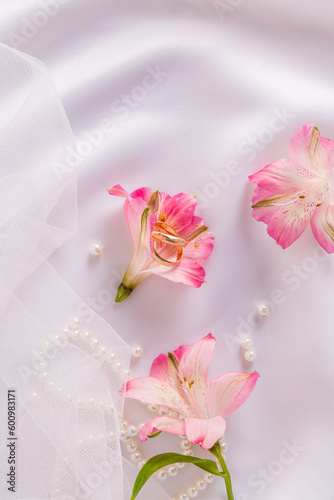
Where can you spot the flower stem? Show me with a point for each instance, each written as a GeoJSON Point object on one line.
{"type": "Point", "coordinates": [216, 451]}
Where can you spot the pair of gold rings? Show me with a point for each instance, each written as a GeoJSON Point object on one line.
{"type": "Point", "coordinates": [164, 233]}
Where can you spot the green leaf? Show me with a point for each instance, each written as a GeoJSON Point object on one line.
{"type": "Point", "coordinates": [122, 292]}
{"type": "Point", "coordinates": [159, 461]}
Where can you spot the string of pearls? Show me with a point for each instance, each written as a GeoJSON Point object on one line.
{"type": "Point", "coordinates": [71, 333]}
{"type": "Point", "coordinates": [129, 432]}
{"type": "Point", "coordinates": [246, 342]}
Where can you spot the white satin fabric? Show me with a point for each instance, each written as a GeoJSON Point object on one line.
{"type": "Point", "coordinates": [182, 96]}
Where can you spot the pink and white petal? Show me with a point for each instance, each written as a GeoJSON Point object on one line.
{"type": "Point", "coordinates": [187, 272]}
{"type": "Point", "coordinates": [287, 215]}
{"type": "Point", "coordinates": [162, 423]}
{"type": "Point", "coordinates": [283, 177]}
{"type": "Point", "coordinates": [199, 249]}
{"type": "Point", "coordinates": [153, 391]}
{"type": "Point", "coordinates": [228, 392]}
{"type": "Point", "coordinates": [134, 210]}
{"type": "Point", "coordinates": [322, 224]}
{"type": "Point", "coordinates": [119, 191]}
{"type": "Point", "coordinates": [193, 372]}
{"type": "Point", "coordinates": [260, 194]}
{"type": "Point", "coordinates": [178, 210]}
{"type": "Point", "coordinates": [160, 368]}
{"type": "Point", "coordinates": [205, 432]}
{"type": "Point", "coordinates": [195, 225]}
{"type": "Point", "coordinates": [145, 193]}
{"type": "Point", "coordinates": [310, 150]}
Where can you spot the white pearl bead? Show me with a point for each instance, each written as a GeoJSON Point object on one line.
{"type": "Point", "coordinates": [85, 336]}
{"type": "Point", "coordinates": [185, 444]}
{"type": "Point", "coordinates": [250, 355]}
{"type": "Point", "coordinates": [246, 343]}
{"type": "Point", "coordinates": [109, 409]}
{"type": "Point", "coordinates": [136, 457]}
{"type": "Point", "coordinates": [94, 343]}
{"type": "Point", "coordinates": [74, 324]}
{"type": "Point", "coordinates": [201, 484]}
{"type": "Point", "coordinates": [124, 436]}
{"type": "Point", "coordinates": [131, 446]}
{"type": "Point", "coordinates": [137, 351]}
{"type": "Point", "coordinates": [172, 471]}
{"type": "Point", "coordinates": [163, 411]}
{"type": "Point", "coordinates": [117, 367]}
{"type": "Point", "coordinates": [208, 478]}
{"type": "Point", "coordinates": [162, 475]}
{"type": "Point", "coordinates": [110, 357]}
{"type": "Point", "coordinates": [224, 446]}
{"type": "Point", "coordinates": [152, 407]}
{"type": "Point", "coordinates": [132, 430]}
{"type": "Point", "coordinates": [183, 496]}
{"type": "Point", "coordinates": [193, 492]}
{"type": "Point", "coordinates": [124, 424]}
{"type": "Point", "coordinates": [180, 465]}
{"type": "Point", "coordinates": [110, 435]}
{"type": "Point", "coordinates": [73, 334]}
{"type": "Point", "coordinates": [141, 463]}
{"type": "Point", "coordinates": [188, 453]}
{"type": "Point", "coordinates": [96, 249]}
{"type": "Point", "coordinates": [263, 309]}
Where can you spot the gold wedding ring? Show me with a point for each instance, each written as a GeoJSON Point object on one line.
{"type": "Point", "coordinates": [163, 233]}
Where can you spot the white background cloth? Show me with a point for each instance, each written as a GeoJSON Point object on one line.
{"type": "Point", "coordinates": [193, 96]}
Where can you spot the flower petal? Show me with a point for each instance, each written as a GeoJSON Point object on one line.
{"type": "Point", "coordinates": [288, 215]}
{"type": "Point", "coordinates": [312, 151]}
{"type": "Point", "coordinates": [193, 371]}
{"type": "Point", "coordinates": [228, 392]}
{"type": "Point", "coordinates": [160, 368]}
{"type": "Point", "coordinates": [119, 191]}
{"type": "Point", "coordinates": [187, 272]}
{"type": "Point", "coordinates": [140, 233]}
{"type": "Point", "coordinates": [205, 432]}
{"type": "Point", "coordinates": [322, 224]}
{"type": "Point", "coordinates": [145, 193]}
{"type": "Point", "coordinates": [199, 249]}
{"type": "Point", "coordinates": [154, 391]}
{"type": "Point", "coordinates": [283, 177]}
{"type": "Point", "coordinates": [178, 210]}
{"type": "Point", "coordinates": [162, 423]}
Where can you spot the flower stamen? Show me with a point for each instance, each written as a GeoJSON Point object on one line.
{"type": "Point", "coordinates": [164, 234]}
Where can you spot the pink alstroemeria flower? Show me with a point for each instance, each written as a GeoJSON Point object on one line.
{"type": "Point", "coordinates": [168, 239]}
{"type": "Point", "coordinates": [290, 193]}
{"type": "Point", "coordinates": [178, 381]}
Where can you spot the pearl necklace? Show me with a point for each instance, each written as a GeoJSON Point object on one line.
{"type": "Point", "coordinates": [128, 431]}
